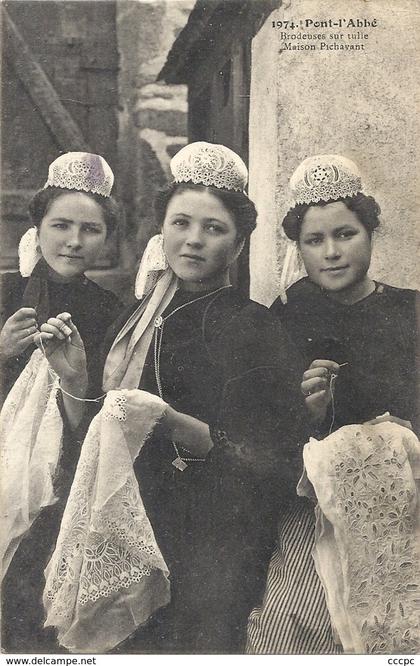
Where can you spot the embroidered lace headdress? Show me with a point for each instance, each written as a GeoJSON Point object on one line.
{"type": "Point", "coordinates": [83, 172]}
{"type": "Point", "coordinates": [209, 164]}
{"type": "Point", "coordinates": [325, 177]}
{"type": "Point", "coordinates": [318, 178]}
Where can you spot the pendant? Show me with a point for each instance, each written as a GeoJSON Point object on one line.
{"type": "Point", "coordinates": [179, 464]}
{"type": "Point", "coordinates": [158, 322]}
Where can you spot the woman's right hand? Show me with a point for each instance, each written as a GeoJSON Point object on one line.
{"type": "Point", "coordinates": [18, 333]}
{"type": "Point", "coordinates": [315, 387]}
{"type": "Point", "coordinates": [62, 345]}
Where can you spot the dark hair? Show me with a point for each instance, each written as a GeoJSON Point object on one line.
{"type": "Point", "coordinates": [237, 203]}
{"type": "Point", "coordinates": [365, 207]}
{"type": "Point", "coordinates": [42, 200]}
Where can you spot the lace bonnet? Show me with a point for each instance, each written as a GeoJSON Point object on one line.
{"type": "Point", "coordinates": [325, 177]}
{"type": "Point", "coordinates": [84, 172]}
{"type": "Point", "coordinates": [81, 171]}
{"type": "Point", "coordinates": [209, 164]}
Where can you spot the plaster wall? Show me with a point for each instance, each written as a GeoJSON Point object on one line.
{"type": "Point", "coordinates": [361, 104]}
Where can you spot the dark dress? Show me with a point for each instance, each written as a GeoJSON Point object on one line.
{"type": "Point", "coordinates": [226, 361]}
{"type": "Point", "coordinates": [377, 338]}
{"type": "Point", "coordinates": [93, 309]}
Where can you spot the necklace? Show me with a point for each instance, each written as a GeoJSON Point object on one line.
{"type": "Point", "coordinates": [180, 462]}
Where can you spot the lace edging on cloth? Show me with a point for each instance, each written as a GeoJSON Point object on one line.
{"type": "Point", "coordinates": [367, 534]}
{"type": "Point", "coordinates": [107, 574]}
{"type": "Point", "coordinates": [30, 444]}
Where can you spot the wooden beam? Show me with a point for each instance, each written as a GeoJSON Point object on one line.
{"type": "Point", "coordinates": [65, 130]}
{"type": "Point", "coordinates": [209, 29]}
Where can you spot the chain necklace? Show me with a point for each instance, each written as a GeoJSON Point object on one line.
{"type": "Point", "coordinates": [180, 462]}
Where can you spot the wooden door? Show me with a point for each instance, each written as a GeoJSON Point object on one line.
{"type": "Point", "coordinates": [59, 93]}
{"type": "Point", "coordinates": [219, 112]}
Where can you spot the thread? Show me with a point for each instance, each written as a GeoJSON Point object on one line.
{"type": "Point", "coordinates": [52, 375]}
{"type": "Point", "coordinates": [331, 389]}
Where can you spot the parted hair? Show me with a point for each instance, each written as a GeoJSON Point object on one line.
{"type": "Point", "coordinates": [42, 200]}
{"type": "Point", "coordinates": [237, 203]}
{"type": "Point", "coordinates": [364, 206]}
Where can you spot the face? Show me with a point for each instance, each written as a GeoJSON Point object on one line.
{"type": "Point", "coordinates": [200, 239]}
{"type": "Point", "coordinates": [335, 247]}
{"type": "Point", "coordinates": [72, 234]}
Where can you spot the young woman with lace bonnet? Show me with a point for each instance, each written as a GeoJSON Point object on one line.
{"type": "Point", "coordinates": [359, 339]}
{"type": "Point", "coordinates": [222, 457]}
{"type": "Point", "coordinates": [73, 215]}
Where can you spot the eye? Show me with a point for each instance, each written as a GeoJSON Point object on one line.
{"type": "Point", "coordinates": [347, 233]}
{"type": "Point", "coordinates": [60, 225]}
{"type": "Point", "coordinates": [180, 222]}
{"type": "Point", "coordinates": [313, 241]}
{"type": "Point", "coordinates": [92, 229]}
{"type": "Point", "coordinates": [214, 228]}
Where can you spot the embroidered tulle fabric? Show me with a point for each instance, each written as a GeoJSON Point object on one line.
{"type": "Point", "coordinates": [30, 444]}
{"type": "Point", "coordinates": [107, 575]}
{"type": "Point", "coordinates": [366, 480]}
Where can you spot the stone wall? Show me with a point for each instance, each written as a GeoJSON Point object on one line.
{"type": "Point", "coordinates": [360, 103]}
{"type": "Point", "coordinates": [152, 116]}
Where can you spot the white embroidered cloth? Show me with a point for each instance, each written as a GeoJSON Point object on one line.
{"type": "Point", "coordinates": [30, 444]}
{"type": "Point", "coordinates": [107, 575]}
{"type": "Point", "coordinates": [366, 480]}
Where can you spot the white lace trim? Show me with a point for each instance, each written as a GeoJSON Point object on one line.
{"type": "Point", "coordinates": [81, 171]}
{"type": "Point", "coordinates": [29, 252]}
{"type": "Point", "coordinates": [116, 409]}
{"type": "Point", "coordinates": [152, 264]}
{"type": "Point", "coordinates": [325, 177]}
{"type": "Point", "coordinates": [367, 537]}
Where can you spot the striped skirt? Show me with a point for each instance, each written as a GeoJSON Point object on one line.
{"type": "Point", "coordinates": [293, 617]}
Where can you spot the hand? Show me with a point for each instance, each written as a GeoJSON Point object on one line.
{"type": "Point", "coordinates": [18, 332]}
{"type": "Point", "coordinates": [62, 345]}
{"type": "Point", "coordinates": [315, 387]}
{"type": "Point", "coordinates": [191, 433]}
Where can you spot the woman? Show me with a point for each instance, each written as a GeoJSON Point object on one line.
{"type": "Point", "coordinates": [73, 215]}
{"type": "Point", "coordinates": [228, 440]}
{"type": "Point", "coordinates": [358, 339]}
